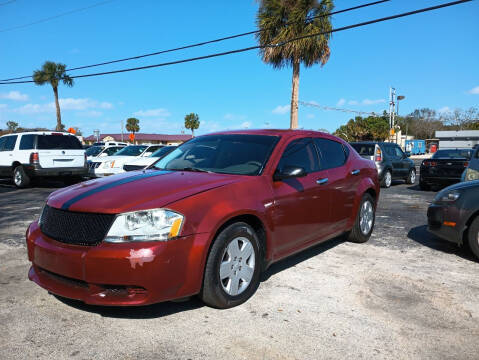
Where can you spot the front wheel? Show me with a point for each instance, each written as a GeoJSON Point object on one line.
{"type": "Point", "coordinates": [411, 179]}
{"type": "Point", "coordinates": [20, 177]}
{"type": "Point", "coordinates": [233, 267]}
{"type": "Point", "coordinates": [473, 237]}
{"type": "Point", "coordinates": [364, 224]}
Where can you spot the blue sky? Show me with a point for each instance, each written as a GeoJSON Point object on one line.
{"type": "Point", "coordinates": [430, 58]}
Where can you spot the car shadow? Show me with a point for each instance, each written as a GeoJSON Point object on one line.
{"type": "Point", "coordinates": [421, 235]}
{"type": "Point", "coordinates": [193, 303]}
{"type": "Point", "coordinates": [136, 312]}
{"type": "Point", "coordinates": [7, 186]}
{"type": "Point", "coordinates": [304, 255]}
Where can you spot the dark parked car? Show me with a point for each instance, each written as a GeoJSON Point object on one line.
{"type": "Point", "coordinates": [454, 214]}
{"type": "Point", "coordinates": [392, 163]}
{"type": "Point", "coordinates": [207, 219]}
{"type": "Point", "coordinates": [445, 167]}
{"type": "Point", "coordinates": [472, 171]}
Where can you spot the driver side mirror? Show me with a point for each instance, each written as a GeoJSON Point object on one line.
{"type": "Point", "coordinates": [289, 172]}
{"type": "Point", "coordinates": [408, 154]}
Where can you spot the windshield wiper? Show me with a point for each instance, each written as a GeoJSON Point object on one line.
{"type": "Point", "coordinates": [191, 169]}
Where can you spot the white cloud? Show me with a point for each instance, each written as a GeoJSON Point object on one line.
{"type": "Point", "coordinates": [373, 102]}
{"type": "Point", "coordinates": [353, 102]}
{"type": "Point", "coordinates": [444, 110]}
{"type": "Point", "coordinates": [65, 104]}
{"type": "Point", "coordinates": [14, 95]}
{"type": "Point", "coordinates": [162, 113]}
{"type": "Point", "coordinates": [341, 102]}
{"type": "Point", "coordinates": [281, 109]}
{"type": "Point", "coordinates": [310, 116]}
{"type": "Point", "coordinates": [246, 125]}
{"type": "Point", "coordinates": [474, 90]}
{"type": "Point", "coordinates": [90, 114]}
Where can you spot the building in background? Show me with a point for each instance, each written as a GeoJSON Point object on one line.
{"type": "Point", "coordinates": [457, 139]}
{"type": "Point", "coordinates": [140, 138]}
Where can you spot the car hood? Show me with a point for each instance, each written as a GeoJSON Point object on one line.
{"type": "Point", "coordinates": [462, 185]}
{"type": "Point", "coordinates": [145, 160]}
{"type": "Point", "coordinates": [136, 190]}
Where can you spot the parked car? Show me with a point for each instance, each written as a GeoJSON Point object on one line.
{"type": "Point", "coordinates": [207, 219]}
{"type": "Point", "coordinates": [392, 163]}
{"type": "Point", "coordinates": [472, 170]}
{"type": "Point", "coordinates": [445, 167]}
{"type": "Point", "coordinates": [29, 155]}
{"type": "Point", "coordinates": [145, 161]}
{"type": "Point", "coordinates": [110, 143]}
{"type": "Point", "coordinates": [96, 152]}
{"type": "Point", "coordinates": [454, 214]}
{"type": "Point", "coordinates": [111, 165]}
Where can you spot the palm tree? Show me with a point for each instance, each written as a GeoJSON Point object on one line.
{"type": "Point", "coordinates": [280, 21]}
{"type": "Point", "coordinates": [132, 125]}
{"type": "Point", "coordinates": [192, 122]}
{"type": "Point", "coordinates": [53, 73]}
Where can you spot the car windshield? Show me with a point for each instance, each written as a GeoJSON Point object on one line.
{"type": "Point", "coordinates": [163, 151]}
{"type": "Point", "coordinates": [240, 154]}
{"type": "Point", "coordinates": [93, 151]}
{"type": "Point", "coordinates": [453, 154]}
{"type": "Point", "coordinates": [61, 142]}
{"type": "Point", "coordinates": [133, 150]}
{"type": "Point", "coordinates": [364, 149]}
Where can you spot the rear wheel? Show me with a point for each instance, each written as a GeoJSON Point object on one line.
{"type": "Point", "coordinates": [20, 177]}
{"type": "Point", "coordinates": [387, 179]}
{"type": "Point", "coordinates": [473, 237]}
{"type": "Point", "coordinates": [411, 179]}
{"type": "Point", "coordinates": [364, 224]}
{"type": "Point", "coordinates": [233, 267]}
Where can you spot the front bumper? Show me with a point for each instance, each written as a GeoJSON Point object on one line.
{"type": "Point", "coordinates": [118, 274]}
{"type": "Point", "coordinates": [37, 170]}
{"type": "Point", "coordinates": [102, 172]}
{"type": "Point", "coordinates": [440, 219]}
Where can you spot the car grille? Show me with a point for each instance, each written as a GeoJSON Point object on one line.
{"type": "Point", "coordinates": [75, 228]}
{"type": "Point", "coordinates": [133, 167]}
{"type": "Point", "coordinates": [94, 165]}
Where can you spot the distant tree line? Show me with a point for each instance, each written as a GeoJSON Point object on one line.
{"type": "Point", "coordinates": [421, 123]}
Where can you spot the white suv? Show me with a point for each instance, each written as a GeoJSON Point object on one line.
{"type": "Point", "coordinates": [28, 155]}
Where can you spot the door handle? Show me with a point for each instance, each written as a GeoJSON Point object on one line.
{"type": "Point", "coordinates": [322, 181]}
{"type": "Point", "coordinates": [355, 172]}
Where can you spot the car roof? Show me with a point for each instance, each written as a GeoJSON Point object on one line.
{"type": "Point", "coordinates": [271, 132]}
{"type": "Point", "coordinates": [372, 143]}
{"type": "Point", "coordinates": [40, 133]}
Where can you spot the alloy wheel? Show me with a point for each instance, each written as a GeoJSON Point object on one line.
{"type": "Point", "coordinates": [366, 217]}
{"type": "Point", "coordinates": [387, 179]}
{"type": "Point", "coordinates": [413, 177]}
{"type": "Point", "coordinates": [17, 178]}
{"type": "Point", "coordinates": [237, 266]}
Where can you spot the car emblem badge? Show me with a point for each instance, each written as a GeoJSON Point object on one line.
{"type": "Point", "coordinates": [63, 152]}
{"type": "Point", "coordinates": [449, 163]}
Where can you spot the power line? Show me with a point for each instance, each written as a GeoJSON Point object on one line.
{"type": "Point", "coordinates": [52, 17]}
{"type": "Point", "coordinates": [312, 104]}
{"type": "Point", "coordinates": [262, 46]}
{"type": "Point", "coordinates": [204, 42]}
{"type": "Point", "coordinates": [7, 2]}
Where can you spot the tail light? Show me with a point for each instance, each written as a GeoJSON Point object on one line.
{"type": "Point", "coordinates": [379, 155]}
{"type": "Point", "coordinates": [466, 163]}
{"type": "Point", "coordinates": [430, 163]}
{"type": "Point", "coordinates": [34, 158]}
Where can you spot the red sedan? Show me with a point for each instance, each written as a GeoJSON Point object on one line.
{"type": "Point", "coordinates": [207, 219]}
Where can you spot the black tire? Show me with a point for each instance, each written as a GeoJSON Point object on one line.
{"type": "Point", "coordinates": [385, 183]}
{"type": "Point", "coordinates": [71, 180]}
{"type": "Point", "coordinates": [411, 178]}
{"type": "Point", "coordinates": [356, 234]}
{"type": "Point", "coordinates": [20, 177]}
{"type": "Point", "coordinates": [424, 186]}
{"type": "Point", "coordinates": [473, 237]}
{"type": "Point", "coordinates": [213, 292]}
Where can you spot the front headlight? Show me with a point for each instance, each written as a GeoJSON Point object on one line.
{"type": "Point", "coordinates": [447, 196]}
{"type": "Point", "coordinates": [106, 164]}
{"type": "Point", "coordinates": [145, 225]}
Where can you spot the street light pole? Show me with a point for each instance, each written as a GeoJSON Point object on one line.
{"type": "Point", "coordinates": [399, 98]}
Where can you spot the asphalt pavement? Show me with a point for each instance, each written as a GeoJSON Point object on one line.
{"type": "Point", "coordinates": [405, 294]}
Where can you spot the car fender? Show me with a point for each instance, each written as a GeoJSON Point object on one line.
{"type": "Point", "coordinates": [366, 184]}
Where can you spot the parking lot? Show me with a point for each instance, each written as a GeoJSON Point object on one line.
{"type": "Point", "coordinates": [404, 294]}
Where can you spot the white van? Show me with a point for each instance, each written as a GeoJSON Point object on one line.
{"type": "Point", "coordinates": [29, 155]}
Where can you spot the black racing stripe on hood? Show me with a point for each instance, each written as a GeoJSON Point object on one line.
{"type": "Point", "coordinates": [127, 180]}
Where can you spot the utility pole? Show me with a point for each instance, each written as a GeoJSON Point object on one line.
{"type": "Point", "coordinates": [392, 95]}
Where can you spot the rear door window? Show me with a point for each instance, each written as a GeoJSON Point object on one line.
{"type": "Point", "coordinates": [332, 153]}
{"type": "Point", "coordinates": [364, 149]}
{"type": "Point", "coordinates": [10, 143]}
{"type": "Point", "coordinates": [300, 153]}
{"type": "Point", "coordinates": [58, 142]}
{"type": "Point", "coordinates": [26, 142]}
{"type": "Point", "coordinates": [2, 143]}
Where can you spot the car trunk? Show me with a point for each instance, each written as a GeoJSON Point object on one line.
{"type": "Point", "coordinates": [450, 168]}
